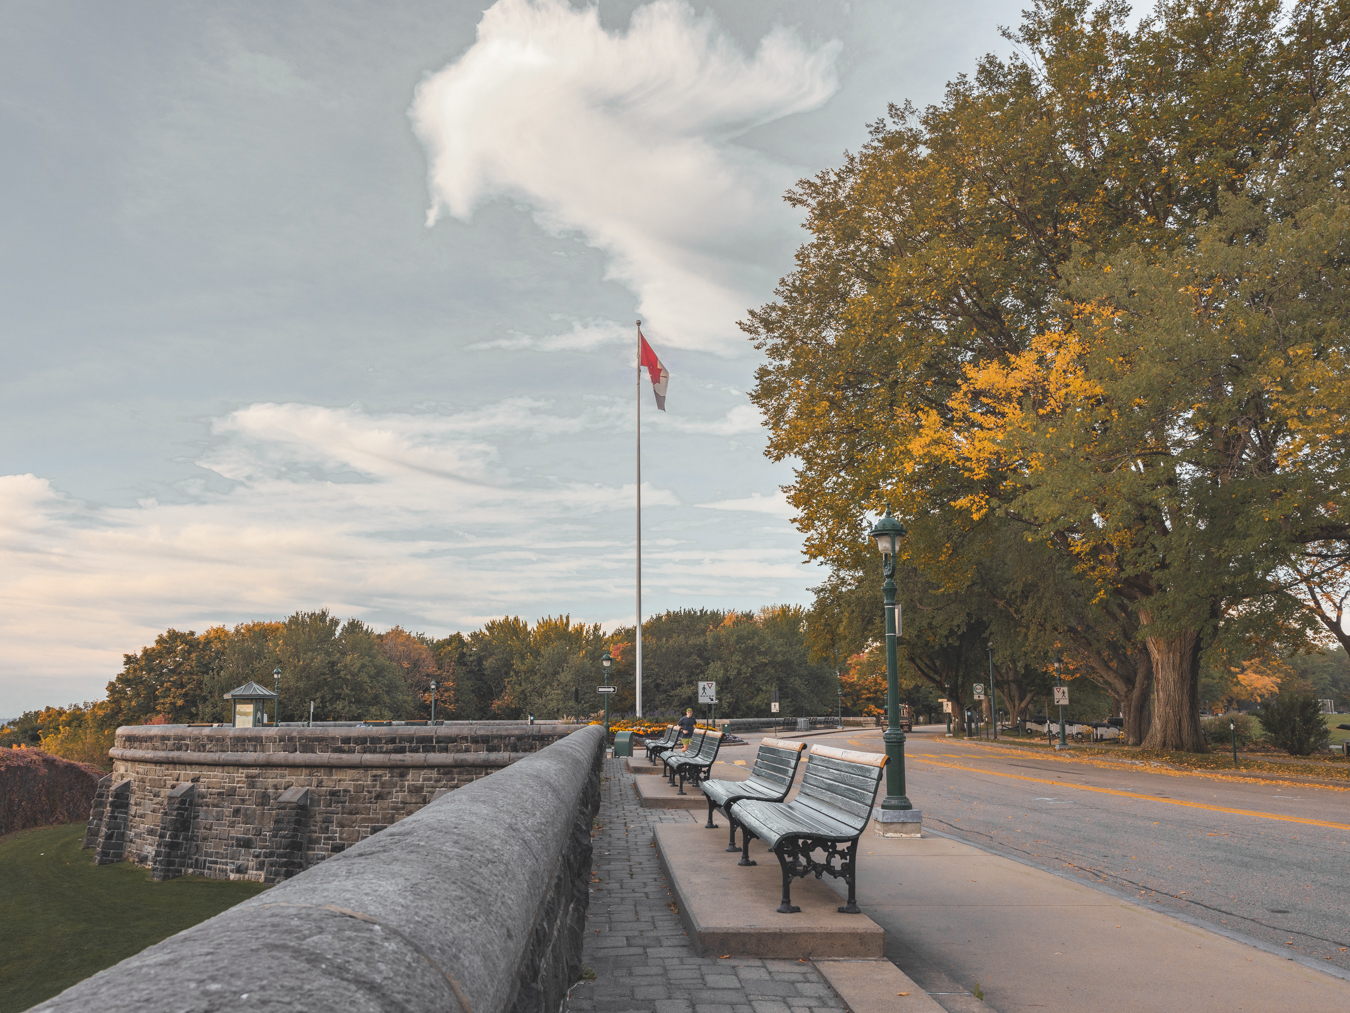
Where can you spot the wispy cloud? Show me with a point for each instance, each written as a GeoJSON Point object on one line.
{"type": "Point", "coordinates": [629, 139]}
{"type": "Point", "coordinates": [583, 337]}
{"type": "Point", "coordinates": [430, 518]}
{"type": "Point", "coordinates": [775, 505]}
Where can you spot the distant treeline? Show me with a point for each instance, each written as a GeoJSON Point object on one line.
{"type": "Point", "coordinates": [507, 670]}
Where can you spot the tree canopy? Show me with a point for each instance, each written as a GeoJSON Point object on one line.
{"type": "Point", "coordinates": [1091, 303]}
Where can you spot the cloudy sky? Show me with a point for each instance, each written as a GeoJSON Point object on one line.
{"type": "Point", "coordinates": [331, 304]}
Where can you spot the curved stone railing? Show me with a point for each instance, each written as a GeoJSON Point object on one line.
{"type": "Point", "coordinates": [475, 903]}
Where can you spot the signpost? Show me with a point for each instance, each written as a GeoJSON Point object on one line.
{"type": "Point", "coordinates": [979, 691]}
{"type": "Point", "coordinates": [607, 689]}
{"type": "Point", "coordinates": [707, 693]}
{"type": "Point", "coordinates": [1061, 696]}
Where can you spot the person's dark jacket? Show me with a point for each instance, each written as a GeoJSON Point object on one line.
{"type": "Point", "coordinates": [686, 724]}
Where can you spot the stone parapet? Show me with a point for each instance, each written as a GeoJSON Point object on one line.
{"type": "Point", "coordinates": [236, 822]}
{"type": "Point", "coordinates": [476, 902]}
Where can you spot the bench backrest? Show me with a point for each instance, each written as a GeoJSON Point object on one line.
{"type": "Point", "coordinates": [842, 782]}
{"type": "Point", "coordinates": [672, 735]}
{"type": "Point", "coordinates": [776, 762]}
{"type": "Point", "coordinates": [708, 746]}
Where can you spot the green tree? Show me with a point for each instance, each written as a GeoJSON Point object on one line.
{"type": "Point", "coordinates": [167, 678]}
{"type": "Point", "coordinates": [943, 251]}
{"type": "Point", "coordinates": [1293, 722]}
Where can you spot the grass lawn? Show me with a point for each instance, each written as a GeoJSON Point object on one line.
{"type": "Point", "coordinates": [65, 917]}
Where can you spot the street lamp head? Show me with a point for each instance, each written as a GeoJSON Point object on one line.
{"type": "Point", "coordinates": [1059, 664]}
{"type": "Point", "coordinates": [887, 532]}
{"type": "Point", "coordinates": [606, 661]}
{"type": "Point", "coordinates": [276, 672]}
{"type": "Point", "coordinates": [433, 685]}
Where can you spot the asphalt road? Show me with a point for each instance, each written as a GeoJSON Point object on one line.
{"type": "Point", "coordinates": [1259, 858]}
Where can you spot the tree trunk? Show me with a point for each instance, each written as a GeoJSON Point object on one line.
{"type": "Point", "coordinates": [1176, 692]}
{"type": "Point", "coordinates": [1135, 704]}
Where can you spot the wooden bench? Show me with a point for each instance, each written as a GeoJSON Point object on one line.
{"type": "Point", "coordinates": [657, 746]}
{"type": "Point", "coordinates": [770, 780]}
{"type": "Point", "coordinates": [831, 810]}
{"type": "Point", "coordinates": [667, 755]}
{"type": "Point", "coordinates": [694, 765]}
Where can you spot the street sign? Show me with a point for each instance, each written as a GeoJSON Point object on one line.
{"type": "Point", "coordinates": [946, 706]}
{"type": "Point", "coordinates": [773, 707]}
{"type": "Point", "coordinates": [979, 691]}
{"type": "Point", "coordinates": [606, 689]}
{"type": "Point", "coordinates": [707, 692]}
{"type": "Point", "coordinates": [1061, 696]}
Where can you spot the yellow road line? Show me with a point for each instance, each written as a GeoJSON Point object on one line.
{"type": "Point", "coordinates": [1131, 794]}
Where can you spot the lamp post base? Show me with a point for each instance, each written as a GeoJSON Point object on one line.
{"type": "Point", "coordinates": [897, 822]}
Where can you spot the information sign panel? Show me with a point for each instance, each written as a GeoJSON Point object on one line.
{"type": "Point", "coordinates": [979, 691]}
{"type": "Point", "coordinates": [606, 689]}
{"type": "Point", "coordinates": [707, 692]}
{"type": "Point", "coordinates": [1061, 696]}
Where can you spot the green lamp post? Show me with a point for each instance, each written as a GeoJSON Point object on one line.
{"type": "Point", "coordinates": [605, 662]}
{"type": "Point", "coordinates": [887, 534]}
{"type": "Point", "coordinates": [276, 685]}
{"type": "Point", "coordinates": [1063, 742]}
{"type": "Point", "coordinates": [433, 702]}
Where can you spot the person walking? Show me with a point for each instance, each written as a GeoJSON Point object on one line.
{"type": "Point", "coordinates": [686, 724]}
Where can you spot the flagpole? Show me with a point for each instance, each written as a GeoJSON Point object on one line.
{"type": "Point", "coordinates": [638, 653]}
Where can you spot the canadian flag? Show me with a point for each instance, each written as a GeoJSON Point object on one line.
{"type": "Point", "coordinates": [660, 376]}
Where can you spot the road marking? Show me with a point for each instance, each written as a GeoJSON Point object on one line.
{"type": "Point", "coordinates": [1146, 798]}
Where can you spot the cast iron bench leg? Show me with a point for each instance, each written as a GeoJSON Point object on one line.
{"type": "Point", "coordinates": [731, 845]}
{"type": "Point", "coordinates": [851, 877]}
{"type": "Point", "coordinates": [745, 848]}
{"type": "Point", "coordinates": [787, 907]}
{"type": "Point", "coordinates": [681, 791]}
{"type": "Point", "coordinates": [710, 824]}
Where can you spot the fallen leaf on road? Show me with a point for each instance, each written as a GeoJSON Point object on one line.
{"type": "Point", "coordinates": [902, 993]}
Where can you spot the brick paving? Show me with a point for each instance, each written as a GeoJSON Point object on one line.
{"type": "Point", "coordinates": [637, 946]}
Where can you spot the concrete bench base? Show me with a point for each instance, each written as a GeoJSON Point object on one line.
{"type": "Point", "coordinates": [656, 793]}
{"type": "Point", "coordinates": [730, 909]}
{"type": "Point", "coordinates": [876, 986]}
{"type": "Point", "coordinates": [639, 765]}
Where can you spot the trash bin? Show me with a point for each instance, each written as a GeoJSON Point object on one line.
{"type": "Point", "coordinates": [803, 724]}
{"type": "Point", "coordinates": [623, 744]}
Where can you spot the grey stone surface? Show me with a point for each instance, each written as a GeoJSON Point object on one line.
{"type": "Point", "coordinates": [476, 903]}
{"type": "Point", "coordinates": [361, 780]}
{"type": "Point", "coordinates": [637, 946]}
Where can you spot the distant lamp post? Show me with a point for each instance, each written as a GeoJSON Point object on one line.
{"type": "Point", "coordinates": [1232, 730]}
{"type": "Point", "coordinates": [276, 688]}
{"type": "Point", "coordinates": [1063, 742]}
{"type": "Point", "coordinates": [433, 701]}
{"type": "Point", "coordinates": [993, 693]}
{"type": "Point", "coordinates": [839, 689]}
{"type": "Point", "coordinates": [606, 662]}
{"type": "Point", "coordinates": [887, 533]}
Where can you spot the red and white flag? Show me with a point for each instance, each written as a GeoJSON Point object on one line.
{"type": "Point", "coordinates": [658, 373]}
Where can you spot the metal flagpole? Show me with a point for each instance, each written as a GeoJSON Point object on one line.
{"type": "Point", "coordinates": [638, 654]}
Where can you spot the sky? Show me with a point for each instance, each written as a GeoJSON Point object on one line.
{"type": "Point", "coordinates": [331, 305]}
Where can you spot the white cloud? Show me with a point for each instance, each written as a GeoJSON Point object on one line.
{"type": "Point", "coordinates": [628, 139]}
{"type": "Point", "coordinates": [776, 505]}
{"type": "Point", "coordinates": [583, 337]}
{"type": "Point", "coordinates": [741, 419]}
{"type": "Point", "coordinates": [423, 516]}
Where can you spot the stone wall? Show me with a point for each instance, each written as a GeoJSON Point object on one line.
{"type": "Point", "coordinates": [266, 803]}
{"type": "Point", "coordinates": [476, 903]}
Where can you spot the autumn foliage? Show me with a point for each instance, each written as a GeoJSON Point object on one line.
{"type": "Point", "coordinates": [37, 789]}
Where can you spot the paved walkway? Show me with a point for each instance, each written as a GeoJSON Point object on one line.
{"type": "Point", "coordinates": [636, 945]}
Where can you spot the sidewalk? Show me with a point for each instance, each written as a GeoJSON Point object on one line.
{"type": "Point", "coordinates": [636, 945]}
{"type": "Point", "coordinates": [955, 915]}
